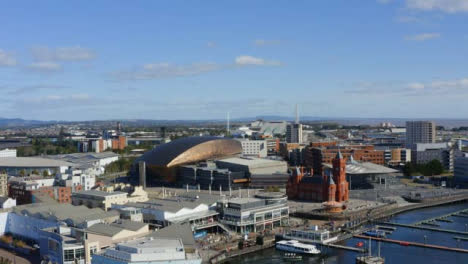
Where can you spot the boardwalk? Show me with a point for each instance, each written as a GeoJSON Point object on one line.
{"type": "Point", "coordinates": [415, 244]}
{"type": "Point", "coordinates": [346, 248]}
{"type": "Point", "coordinates": [428, 228]}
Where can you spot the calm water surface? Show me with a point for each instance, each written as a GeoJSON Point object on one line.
{"type": "Point", "coordinates": [393, 253]}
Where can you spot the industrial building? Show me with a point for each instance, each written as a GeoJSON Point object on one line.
{"type": "Point", "coordinates": [27, 165]}
{"type": "Point", "coordinates": [88, 163]}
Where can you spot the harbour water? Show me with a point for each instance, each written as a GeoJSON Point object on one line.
{"type": "Point", "coordinates": [393, 253]}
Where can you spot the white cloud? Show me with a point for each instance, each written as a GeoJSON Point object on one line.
{"type": "Point", "coordinates": [167, 70]}
{"type": "Point", "coordinates": [408, 19]}
{"type": "Point", "coordinates": [458, 86]}
{"type": "Point", "coordinates": [249, 60]}
{"type": "Point", "coordinates": [7, 59]}
{"type": "Point", "coordinates": [55, 100]}
{"type": "Point", "coordinates": [73, 53]}
{"type": "Point", "coordinates": [448, 6]}
{"type": "Point", "coordinates": [32, 88]}
{"type": "Point", "coordinates": [423, 36]}
{"type": "Point", "coordinates": [415, 86]}
{"type": "Point", "coordinates": [264, 42]}
{"type": "Point", "coordinates": [211, 44]}
{"type": "Point", "coordinates": [46, 67]}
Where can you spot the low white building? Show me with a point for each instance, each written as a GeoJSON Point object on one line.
{"type": "Point", "coordinates": [7, 202]}
{"type": "Point", "coordinates": [193, 207]}
{"type": "Point", "coordinates": [256, 148]}
{"type": "Point", "coordinates": [8, 153]}
{"type": "Point", "coordinates": [147, 250]}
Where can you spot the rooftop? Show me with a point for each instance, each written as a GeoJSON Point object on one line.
{"type": "Point", "coordinates": [176, 230]}
{"type": "Point", "coordinates": [98, 193]}
{"type": "Point", "coordinates": [32, 162]}
{"type": "Point", "coordinates": [244, 200]}
{"type": "Point", "coordinates": [365, 168]}
{"type": "Point", "coordinates": [151, 242]}
{"type": "Point", "coordinates": [73, 215]}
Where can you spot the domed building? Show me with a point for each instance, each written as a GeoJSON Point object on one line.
{"type": "Point", "coordinates": [159, 165]}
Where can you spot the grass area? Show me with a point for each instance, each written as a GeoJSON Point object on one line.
{"type": "Point", "coordinates": [409, 182]}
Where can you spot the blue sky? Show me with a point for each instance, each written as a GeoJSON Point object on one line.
{"type": "Point", "coordinates": [201, 59]}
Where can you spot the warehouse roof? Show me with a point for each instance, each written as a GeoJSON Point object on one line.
{"type": "Point", "coordinates": [97, 193]}
{"type": "Point", "coordinates": [105, 229]}
{"type": "Point", "coordinates": [154, 243]}
{"type": "Point", "coordinates": [36, 162]}
{"type": "Point", "coordinates": [182, 231]}
{"type": "Point", "coordinates": [74, 215]}
{"type": "Point", "coordinates": [115, 228]}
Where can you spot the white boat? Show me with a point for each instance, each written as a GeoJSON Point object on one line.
{"type": "Point", "coordinates": [297, 247]}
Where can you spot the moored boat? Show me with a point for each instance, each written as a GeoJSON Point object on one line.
{"type": "Point", "coordinates": [295, 246]}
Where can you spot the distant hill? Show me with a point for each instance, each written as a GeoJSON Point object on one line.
{"type": "Point", "coordinates": [18, 122]}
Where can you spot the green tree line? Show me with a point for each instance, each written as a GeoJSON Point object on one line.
{"type": "Point", "coordinates": [433, 167]}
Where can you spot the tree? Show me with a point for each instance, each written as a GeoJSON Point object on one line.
{"type": "Point", "coordinates": [434, 167]}
{"type": "Point", "coordinates": [259, 240]}
{"type": "Point", "coordinates": [409, 169]}
{"type": "Point", "coordinates": [45, 173]}
{"type": "Point", "coordinates": [240, 245]}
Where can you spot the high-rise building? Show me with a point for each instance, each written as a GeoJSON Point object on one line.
{"type": "Point", "coordinates": [294, 133]}
{"type": "Point", "coordinates": [420, 132]}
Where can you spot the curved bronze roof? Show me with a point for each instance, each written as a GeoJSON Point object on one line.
{"type": "Point", "coordinates": [191, 149]}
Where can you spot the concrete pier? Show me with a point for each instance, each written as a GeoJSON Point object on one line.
{"type": "Point", "coordinates": [415, 244]}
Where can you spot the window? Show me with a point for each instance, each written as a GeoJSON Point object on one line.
{"type": "Point", "coordinates": [79, 253]}
{"type": "Point", "coordinates": [93, 249]}
{"type": "Point", "coordinates": [68, 255]}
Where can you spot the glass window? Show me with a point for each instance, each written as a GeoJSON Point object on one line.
{"type": "Point", "coordinates": [68, 254]}
{"type": "Point", "coordinates": [79, 253]}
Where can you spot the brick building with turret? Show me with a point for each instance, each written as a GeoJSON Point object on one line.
{"type": "Point", "coordinates": [330, 185]}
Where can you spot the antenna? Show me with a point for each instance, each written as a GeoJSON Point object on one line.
{"type": "Point", "coordinates": [227, 124]}
{"type": "Point", "coordinates": [297, 115]}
